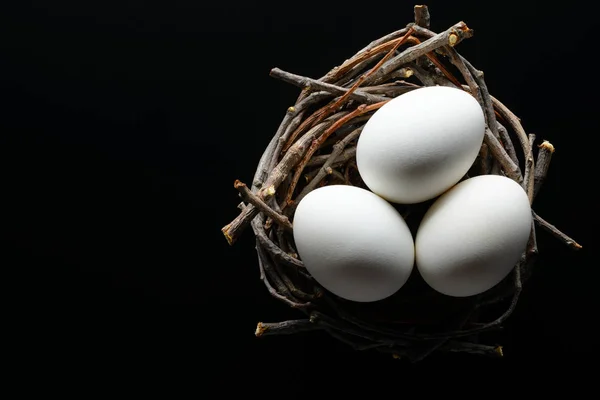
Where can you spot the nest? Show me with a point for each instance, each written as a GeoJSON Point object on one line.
{"type": "Point", "coordinates": [315, 145]}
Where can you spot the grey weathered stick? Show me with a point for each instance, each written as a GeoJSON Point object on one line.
{"type": "Point", "coordinates": [422, 75]}
{"type": "Point", "coordinates": [510, 169]}
{"type": "Point", "coordinates": [271, 247]}
{"type": "Point", "coordinates": [286, 327]}
{"type": "Point", "coordinates": [281, 293]}
{"type": "Point", "coordinates": [556, 232]}
{"type": "Point", "coordinates": [346, 155]}
{"type": "Point", "coordinates": [507, 143]}
{"type": "Point", "coordinates": [514, 123]}
{"type": "Point", "coordinates": [546, 149]}
{"type": "Point", "coordinates": [302, 81]}
{"type": "Point", "coordinates": [324, 171]}
{"type": "Point", "coordinates": [529, 170]}
{"type": "Point", "coordinates": [423, 19]}
{"type": "Point", "coordinates": [490, 116]}
{"type": "Point", "coordinates": [473, 348]}
{"type": "Point", "coordinates": [451, 36]}
{"type": "Point", "coordinates": [277, 175]}
{"type": "Point", "coordinates": [261, 205]}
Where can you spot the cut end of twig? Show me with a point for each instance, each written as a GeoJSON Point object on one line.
{"type": "Point", "coordinates": [547, 146]}
{"type": "Point", "coordinates": [225, 231]}
{"type": "Point", "coordinates": [238, 184]}
{"type": "Point", "coordinates": [575, 245]}
{"type": "Point", "coordinates": [291, 109]}
{"type": "Point", "coordinates": [408, 72]}
{"type": "Point", "coordinates": [260, 329]}
{"type": "Point", "coordinates": [452, 39]}
{"type": "Point", "coordinates": [498, 350]}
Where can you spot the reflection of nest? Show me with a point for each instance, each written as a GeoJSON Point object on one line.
{"type": "Point", "coordinates": [315, 146]}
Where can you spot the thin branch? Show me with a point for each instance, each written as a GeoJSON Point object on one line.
{"type": "Point", "coordinates": [556, 232]}
{"type": "Point", "coordinates": [509, 167]}
{"type": "Point", "coordinates": [286, 327]}
{"type": "Point", "coordinates": [326, 169]}
{"type": "Point", "coordinates": [529, 170]}
{"type": "Point", "coordinates": [302, 81]}
{"type": "Point", "coordinates": [261, 205]}
{"type": "Point", "coordinates": [362, 109]}
{"type": "Point", "coordinates": [546, 149]}
{"type": "Point", "coordinates": [452, 36]}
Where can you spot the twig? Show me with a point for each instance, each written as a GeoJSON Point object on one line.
{"type": "Point", "coordinates": [261, 205]}
{"type": "Point", "coordinates": [514, 123]}
{"type": "Point", "coordinates": [473, 348]}
{"type": "Point", "coordinates": [507, 143]}
{"type": "Point", "coordinates": [286, 327]}
{"type": "Point", "coordinates": [302, 81]}
{"type": "Point", "coordinates": [326, 169]}
{"type": "Point", "coordinates": [346, 155]}
{"type": "Point", "coordinates": [452, 36]}
{"type": "Point", "coordinates": [510, 168]}
{"type": "Point", "coordinates": [422, 17]}
{"type": "Point", "coordinates": [529, 170]}
{"type": "Point", "coordinates": [556, 232]}
{"type": "Point", "coordinates": [542, 164]}
{"type": "Point", "coordinates": [232, 230]}
{"type": "Point", "coordinates": [273, 249]}
{"type": "Point", "coordinates": [265, 269]}
{"type": "Point", "coordinates": [362, 109]}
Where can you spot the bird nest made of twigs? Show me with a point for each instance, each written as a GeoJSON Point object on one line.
{"type": "Point", "coordinates": [315, 145]}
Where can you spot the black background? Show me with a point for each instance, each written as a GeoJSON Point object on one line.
{"type": "Point", "coordinates": [124, 126]}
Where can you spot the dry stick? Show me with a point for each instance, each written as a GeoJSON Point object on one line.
{"type": "Point", "coordinates": [557, 233]}
{"type": "Point", "coordinates": [324, 171]}
{"type": "Point", "coordinates": [266, 269]}
{"type": "Point", "coordinates": [232, 230]}
{"type": "Point", "coordinates": [286, 327]}
{"type": "Point", "coordinates": [277, 175]}
{"type": "Point", "coordinates": [308, 123]}
{"type": "Point", "coordinates": [302, 81]}
{"type": "Point", "coordinates": [433, 59]}
{"type": "Point", "coordinates": [330, 108]}
{"type": "Point", "coordinates": [507, 142]}
{"type": "Point", "coordinates": [274, 250]}
{"type": "Point", "coordinates": [317, 161]}
{"type": "Point", "coordinates": [490, 115]}
{"type": "Point", "coordinates": [422, 17]}
{"type": "Point", "coordinates": [298, 110]}
{"type": "Point", "coordinates": [381, 45]}
{"type": "Point", "coordinates": [422, 75]}
{"type": "Point", "coordinates": [391, 89]}
{"type": "Point", "coordinates": [514, 123]}
{"type": "Point", "coordinates": [529, 170]}
{"type": "Point", "coordinates": [362, 109]}
{"type": "Point", "coordinates": [452, 36]}
{"type": "Point", "coordinates": [261, 205]}
{"type": "Point", "coordinates": [473, 348]}
{"type": "Point", "coordinates": [458, 62]}
{"type": "Point", "coordinates": [541, 166]}
{"type": "Point", "coordinates": [508, 166]}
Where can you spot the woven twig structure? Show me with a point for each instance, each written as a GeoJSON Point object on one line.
{"type": "Point", "coordinates": [315, 145]}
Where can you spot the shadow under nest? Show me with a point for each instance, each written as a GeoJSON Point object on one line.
{"type": "Point", "coordinates": [315, 145]}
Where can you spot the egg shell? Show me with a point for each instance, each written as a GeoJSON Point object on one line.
{"type": "Point", "coordinates": [353, 242]}
{"type": "Point", "coordinates": [420, 143]}
{"type": "Point", "coordinates": [473, 235]}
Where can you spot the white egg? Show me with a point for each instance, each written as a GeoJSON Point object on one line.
{"type": "Point", "coordinates": [420, 143]}
{"type": "Point", "coordinates": [353, 242]}
{"type": "Point", "coordinates": [473, 235]}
